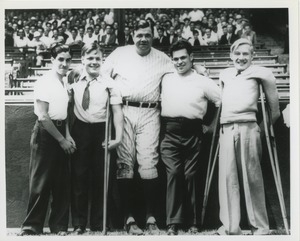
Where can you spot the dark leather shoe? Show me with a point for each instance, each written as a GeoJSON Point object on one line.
{"type": "Point", "coordinates": [172, 229]}
{"type": "Point", "coordinates": [133, 229]}
{"type": "Point", "coordinates": [62, 233]}
{"type": "Point", "coordinates": [79, 230]}
{"type": "Point", "coordinates": [193, 229]}
{"type": "Point", "coordinates": [152, 229]}
{"type": "Point", "coordinates": [27, 232]}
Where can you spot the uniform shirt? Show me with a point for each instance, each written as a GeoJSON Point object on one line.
{"type": "Point", "coordinates": [241, 92]}
{"type": "Point", "coordinates": [98, 98]}
{"type": "Point", "coordinates": [138, 77]}
{"type": "Point", "coordinates": [49, 89]}
{"type": "Point", "coordinates": [187, 96]}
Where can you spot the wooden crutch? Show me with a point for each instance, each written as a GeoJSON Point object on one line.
{"type": "Point", "coordinates": [106, 162]}
{"type": "Point", "coordinates": [211, 165]}
{"type": "Point", "coordinates": [271, 144]}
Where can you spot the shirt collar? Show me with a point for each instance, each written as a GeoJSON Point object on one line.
{"type": "Point", "coordinates": [84, 75]}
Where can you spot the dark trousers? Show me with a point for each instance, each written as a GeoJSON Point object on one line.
{"type": "Point", "coordinates": [48, 174]}
{"type": "Point", "coordinates": [87, 167]}
{"type": "Point", "coordinates": [180, 151]}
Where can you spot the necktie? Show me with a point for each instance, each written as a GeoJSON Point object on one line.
{"type": "Point", "coordinates": [86, 97]}
{"type": "Point", "coordinates": [196, 42]}
{"type": "Point", "coordinates": [229, 37]}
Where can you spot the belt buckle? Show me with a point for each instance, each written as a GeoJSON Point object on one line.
{"type": "Point", "coordinates": [149, 105]}
{"type": "Point", "coordinates": [156, 104]}
{"type": "Point", "coordinates": [141, 104]}
{"type": "Point", "coordinates": [59, 122]}
{"type": "Point", "coordinates": [126, 102]}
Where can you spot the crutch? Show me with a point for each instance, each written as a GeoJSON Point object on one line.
{"type": "Point", "coordinates": [271, 144]}
{"type": "Point", "coordinates": [211, 166]}
{"type": "Point", "coordinates": [106, 163]}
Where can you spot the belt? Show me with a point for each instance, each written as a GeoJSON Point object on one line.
{"type": "Point", "coordinates": [181, 119]}
{"type": "Point", "coordinates": [141, 104]}
{"type": "Point", "coordinates": [59, 122]}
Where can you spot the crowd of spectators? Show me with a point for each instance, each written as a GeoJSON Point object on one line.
{"type": "Point", "coordinates": [40, 28]}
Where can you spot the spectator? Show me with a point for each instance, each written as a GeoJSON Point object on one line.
{"type": "Point", "coordinates": [108, 39]}
{"type": "Point", "coordinates": [97, 30]}
{"type": "Point", "coordinates": [40, 47]}
{"type": "Point", "coordinates": [196, 15]}
{"type": "Point", "coordinates": [56, 38]}
{"type": "Point", "coordinates": [186, 30]}
{"type": "Point", "coordinates": [75, 39]}
{"type": "Point", "coordinates": [196, 40]}
{"type": "Point", "coordinates": [81, 33]}
{"type": "Point", "coordinates": [89, 36]}
{"type": "Point", "coordinates": [128, 36]}
{"type": "Point", "coordinates": [102, 30]}
{"type": "Point", "coordinates": [249, 34]}
{"type": "Point", "coordinates": [9, 40]}
{"type": "Point", "coordinates": [109, 16]}
{"type": "Point", "coordinates": [119, 34]}
{"type": "Point", "coordinates": [229, 37]}
{"type": "Point", "coordinates": [62, 33]}
{"type": "Point", "coordinates": [238, 23]}
{"type": "Point", "coordinates": [172, 38]}
{"type": "Point", "coordinates": [20, 40]}
{"type": "Point", "coordinates": [209, 38]}
{"type": "Point", "coordinates": [161, 40]}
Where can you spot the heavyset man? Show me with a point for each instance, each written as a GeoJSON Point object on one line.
{"type": "Point", "coordinates": [137, 70]}
{"type": "Point", "coordinates": [50, 145]}
{"type": "Point", "coordinates": [240, 143]}
{"type": "Point", "coordinates": [91, 92]}
{"type": "Point", "coordinates": [184, 100]}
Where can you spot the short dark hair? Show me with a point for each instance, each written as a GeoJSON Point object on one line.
{"type": "Point", "coordinates": [58, 48]}
{"type": "Point", "coordinates": [90, 28]}
{"type": "Point", "coordinates": [181, 44]}
{"type": "Point", "coordinates": [142, 24]}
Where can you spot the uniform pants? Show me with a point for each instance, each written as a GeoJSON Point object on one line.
{"type": "Point", "coordinates": [239, 168]}
{"type": "Point", "coordinates": [48, 174]}
{"type": "Point", "coordinates": [87, 168]}
{"type": "Point", "coordinates": [180, 152]}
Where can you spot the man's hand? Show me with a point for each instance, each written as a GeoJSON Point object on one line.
{"type": "Point", "coordinates": [67, 146]}
{"type": "Point", "coordinates": [112, 144]}
{"type": "Point", "coordinates": [207, 129]}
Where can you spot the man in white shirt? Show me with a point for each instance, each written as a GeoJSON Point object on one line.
{"type": "Point", "coordinates": [184, 99]}
{"type": "Point", "coordinates": [210, 38]}
{"type": "Point", "coordinates": [196, 15]}
{"type": "Point", "coordinates": [89, 36]}
{"type": "Point", "coordinates": [21, 41]}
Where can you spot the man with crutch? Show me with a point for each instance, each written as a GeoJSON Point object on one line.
{"type": "Point", "coordinates": [91, 93]}
{"type": "Point", "coordinates": [240, 172]}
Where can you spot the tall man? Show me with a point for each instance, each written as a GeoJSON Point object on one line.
{"type": "Point", "coordinates": [91, 92]}
{"type": "Point", "coordinates": [240, 143]}
{"type": "Point", "coordinates": [184, 100]}
{"type": "Point", "coordinates": [137, 69]}
{"type": "Point", "coordinates": [50, 144]}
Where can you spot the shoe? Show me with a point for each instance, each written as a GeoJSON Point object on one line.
{"type": "Point", "coordinates": [27, 232]}
{"type": "Point", "coordinates": [172, 229]}
{"type": "Point", "coordinates": [79, 230]}
{"type": "Point", "coordinates": [193, 229]}
{"type": "Point", "coordinates": [133, 229]}
{"type": "Point", "coordinates": [96, 229]}
{"type": "Point", "coordinates": [62, 233]}
{"type": "Point", "coordinates": [152, 229]}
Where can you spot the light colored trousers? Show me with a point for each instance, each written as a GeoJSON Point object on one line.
{"type": "Point", "coordinates": [239, 167]}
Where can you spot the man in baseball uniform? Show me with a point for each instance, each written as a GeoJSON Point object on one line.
{"type": "Point", "coordinates": [138, 69]}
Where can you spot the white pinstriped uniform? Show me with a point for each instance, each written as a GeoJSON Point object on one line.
{"type": "Point", "coordinates": [138, 78]}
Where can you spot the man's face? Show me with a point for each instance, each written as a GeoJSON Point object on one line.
{"type": "Point", "coordinates": [81, 31]}
{"type": "Point", "coordinates": [247, 29]}
{"type": "Point", "coordinates": [90, 32]}
{"type": "Point", "coordinates": [92, 63]}
{"type": "Point", "coordinates": [126, 31]}
{"type": "Point", "coordinates": [160, 33]}
{"type": "Point", "coordinates": [61, 63]}
{"type": "Point", "coordinates": [108, 30]}
{"type": "Point", "coordinates": [242, 57]}
{"type": "Point", "coordinates": [229, 28]}
{"type": "Point", "coordinates": [74, 33]}
{"type": "Point", "coordinates": [21, 34]}
{"type": "Point", "coordinates": [208, 33]}
{"type": "Point", "coordinates": [182, 61]}
{"type": "Point", "coordinates": [143, 40]}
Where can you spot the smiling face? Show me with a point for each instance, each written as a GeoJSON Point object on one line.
{"type": "Point", "coordinates": [242, 57]}
{"type": "Point", "coordinates": [143, 40]}
{"type": "Point", "coordinates": [61, 63]}
{"type": "Point", "coordinates": [182, 61]}
{"type": "Point", "coordinates": [92, 62]}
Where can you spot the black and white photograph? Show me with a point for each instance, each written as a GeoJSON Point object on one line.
{"type": "Point", "coordinates": [150, 120]}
